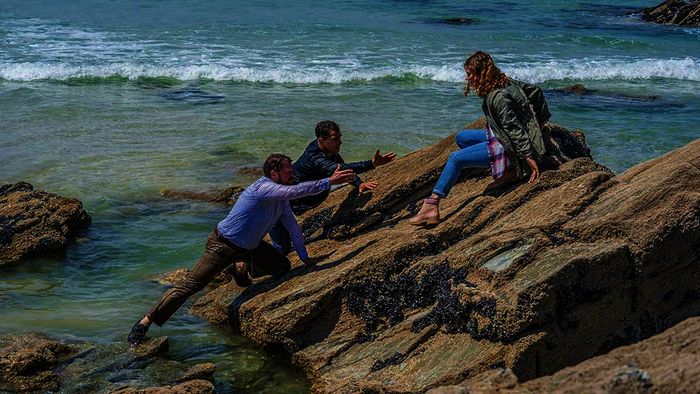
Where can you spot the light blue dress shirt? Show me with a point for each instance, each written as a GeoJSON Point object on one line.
{"type": "Point", "coordinates": [260, 206]}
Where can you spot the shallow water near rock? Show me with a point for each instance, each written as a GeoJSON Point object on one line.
{"type": "Point", "coordinates": [96, 106]}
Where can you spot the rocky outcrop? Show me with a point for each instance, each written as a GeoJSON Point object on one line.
{"type": "Point", "coordinates": [36, 222]}
{"type": "Point", "coordinates": [674, 12]}
{"type": "Point", "coordinates": [37, 363]}
{"type": "Point", "coordinates": [665, 363]}
{"type": "Point", "coordinates": [533, 277]}
{"type": "Point", "coordinates": [27, 362]}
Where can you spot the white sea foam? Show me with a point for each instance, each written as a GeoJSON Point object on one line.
{"type": "Point", "coordinates": [50, 50]}
{"type": "Point", "coordinates": [587, 69]}
{"type": "Point", "coordinates": [354, 71]}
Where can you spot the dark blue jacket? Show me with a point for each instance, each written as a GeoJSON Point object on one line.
{"type": "Point", "coordinates": [313, 165]}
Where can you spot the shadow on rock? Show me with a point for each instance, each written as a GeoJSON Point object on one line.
{"type": "Point", "coordinates": [270, 283]}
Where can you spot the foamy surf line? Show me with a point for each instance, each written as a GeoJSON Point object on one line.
{"type": "Point", "coordinates": [579, 69]}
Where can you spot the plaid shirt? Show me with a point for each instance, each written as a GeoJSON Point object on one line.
{"type": "Point", "coordinates": [497, 155]}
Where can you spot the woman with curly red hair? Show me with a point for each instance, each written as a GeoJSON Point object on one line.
{"type": "Point", "coordinates": [512, 143]}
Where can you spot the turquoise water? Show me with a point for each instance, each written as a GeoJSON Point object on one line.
{"type": "Point", "coordinates": [111, 102]}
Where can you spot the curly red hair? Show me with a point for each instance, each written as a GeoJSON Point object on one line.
{"type": "Point", "coordinates": [487, 75]}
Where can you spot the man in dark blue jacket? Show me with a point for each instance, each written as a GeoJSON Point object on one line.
{"type": "Point", "coordinates": [319, 161]}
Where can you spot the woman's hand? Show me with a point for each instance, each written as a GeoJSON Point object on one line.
{"type": "Point", "coordinates": [534, 170]}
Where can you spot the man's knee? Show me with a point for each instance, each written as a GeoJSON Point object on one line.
{"type": "Point", "coordinates": [189, 287]}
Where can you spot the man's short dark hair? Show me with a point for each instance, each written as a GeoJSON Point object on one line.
{"type": "Point", "coordinates": [274, 162]}
{"type": "Point", "coordinates": [324, 128]}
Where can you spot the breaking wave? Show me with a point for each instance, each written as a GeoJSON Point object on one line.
{"type": "Point", "coordinates": [576, 69]}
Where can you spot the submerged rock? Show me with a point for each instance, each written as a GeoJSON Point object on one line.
{"type": "Point", "coordinates": [191, 387]}
{"type": "Point", "coordinates": [674, 12]}
{"type": "Point", "coordinates": [27, 362]}
{"type": "Point", "coordinates": [604, 100]}
{"type": "Point", "coordinates": [456, 20]}
{"type": "Point", "coordinates": [35, 222]}
{"type": "Point", "coordinates": [194, 94]}
{"type": "Point", "coordinates": [37, 363]}
{"type": "Point", "coordinates": [151, 347]}
{"type": "Point", "coordinates": [576, 89]}
{"type": "Point", "coordinates": [199, 371]}
{"type": "Point", "coordinates": [228, 195]}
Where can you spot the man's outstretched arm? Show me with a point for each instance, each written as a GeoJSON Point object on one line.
{"type": "Point", "coordinates": [276, 191]}
{"type": "Point", "coordinates": [297, 236]}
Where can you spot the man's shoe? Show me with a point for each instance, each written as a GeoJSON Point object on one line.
{"type": "Point", "coordinates": [137, 334]}
{"type": "Point", "coordinates": [429, 213]}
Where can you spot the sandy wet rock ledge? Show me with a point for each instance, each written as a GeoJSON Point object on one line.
{"type": "Point", "coordinates": [35, 222]}
{"type": "Point", "coordinates": [665, 363]}
{"type": "Point", "coordinates": [532, 278]}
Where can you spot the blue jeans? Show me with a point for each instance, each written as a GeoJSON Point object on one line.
{"type": "Point", "coordinates": [472, 154]}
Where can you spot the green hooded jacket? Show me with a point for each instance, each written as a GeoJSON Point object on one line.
{"type": "Point", "coordinates": [514, 114]}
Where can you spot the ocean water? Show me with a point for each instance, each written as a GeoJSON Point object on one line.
{"type": "Point", "coordinates": [111, 102]}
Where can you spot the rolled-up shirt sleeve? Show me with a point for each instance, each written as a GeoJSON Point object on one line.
{"type": "Point", "coordinates": [295, 233]}
{"type": "Point", "coordinates": [276, 191]}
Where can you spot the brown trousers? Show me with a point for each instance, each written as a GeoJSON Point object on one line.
{"type": "Point", "coordinates": [219, 253]}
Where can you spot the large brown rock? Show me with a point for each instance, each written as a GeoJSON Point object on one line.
{"type": "Point", "coordinates": [27, 362]}
{"type": "Point", "coordinates": [674, 12]}
{"type": "Point", "coordinates": [37, 363]}
{"type": "Point", "coordinates": [665, 363]}
{"type": "Point", "coordinates": [533, 277]}
{"type": "Point", "coordinates": [35, 222]}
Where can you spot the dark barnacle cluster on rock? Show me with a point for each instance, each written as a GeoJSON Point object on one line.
{"type": "Point", "coordinates": [390, 299]}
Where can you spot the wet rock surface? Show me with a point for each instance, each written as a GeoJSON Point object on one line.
{"type": "Point", "coordinates": [27, 362]}
{"type": "Point", "coordinates": [674, 12]}
{"type": "Point", "coordinates": [199, 371]}
{"type": "Point", "coordinates": [191, 387]}
{"type": "Point", "coordinates": [35, 222]}
{"type": "Point", "coordinates": [228, 195]}
{"type": "Point", "coordinates": [37, 363]}
{"type": "Point", "coordinates": [665, 363]}
{"type": "Point", "coordinates": [151, 347]}
{"type": "Point", "coordinates": [530, 277]}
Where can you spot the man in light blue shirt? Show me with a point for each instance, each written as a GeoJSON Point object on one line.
{"type": "Point", "coordinates": [238, 238]}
